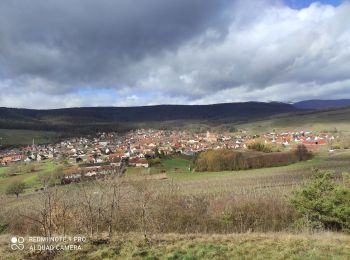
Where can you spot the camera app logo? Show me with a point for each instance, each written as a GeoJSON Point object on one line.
{"type": "Point", "coordinates": [17, 243]}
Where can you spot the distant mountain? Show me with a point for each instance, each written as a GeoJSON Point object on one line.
{"type": "Point", "coordinates": [322, 104]}
{"type": "Point", "coordinates": [92, 118]}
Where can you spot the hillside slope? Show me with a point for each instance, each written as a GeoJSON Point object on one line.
{"type": "Point", "coordinates": [114, 117]}
{"type": "Point", "coordinates": [322, 104]}
{"type": "Point", "coordinates": [330, 120]}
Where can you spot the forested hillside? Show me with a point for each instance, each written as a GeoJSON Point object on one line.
{"type": "Point", "coordinates": [122, 118]}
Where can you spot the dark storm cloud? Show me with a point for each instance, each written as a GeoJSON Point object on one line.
{"type": "Point", "coordinates": [79, 42]}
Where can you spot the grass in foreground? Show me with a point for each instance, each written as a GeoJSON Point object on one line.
{"type": "Point", "coordinates": [233, 246]}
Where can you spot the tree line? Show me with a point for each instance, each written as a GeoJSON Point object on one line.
{"type": "Point", "coordinates": [232, 160]}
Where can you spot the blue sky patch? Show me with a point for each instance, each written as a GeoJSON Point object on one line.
{"type": "Point", "coordinates": [298, 4]}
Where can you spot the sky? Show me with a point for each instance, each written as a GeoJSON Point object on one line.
{"type": "Point", "coordinates": [74, 53]}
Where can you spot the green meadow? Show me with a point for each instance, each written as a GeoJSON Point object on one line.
{"type": "Point", "coordinates": [28, 173]}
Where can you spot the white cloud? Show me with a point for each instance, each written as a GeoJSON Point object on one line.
{"type": "Point", "coordinates": [306, 50]}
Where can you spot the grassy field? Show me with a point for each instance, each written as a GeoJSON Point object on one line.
{"type": "Point", "coordinates": [175, 165]}
{"type": "Point", "coordinates": [2, 171]}
{"type": "Point", "coordinates": [275, 180]}
{"type": "Point", "coordinates": [168, 166]}
{"type": "Point", "coordinates": [197, 246]}
{"type": "Point", "coordinates": [25, 137]}
{"type": "Point", "coordinates": [31, 179]}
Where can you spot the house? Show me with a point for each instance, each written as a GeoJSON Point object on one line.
{"type": "Point", "coordinates": [314, 142]}
{"type": "Point", "coordinates": [27, 160]}
{"type": "Point", "coordinates": [11, 158]}
{"type": "Point", "coordinates": [211, 137]}
{"type": "Point", "coordinates": [113, 157]}
{"type": "Point", "coordinates": [86, 173]}
{"type": "Point", "coordinates": [138, 162]}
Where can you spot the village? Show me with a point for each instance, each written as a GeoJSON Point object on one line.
{"type": "Point", "coordinates": [139, 145]}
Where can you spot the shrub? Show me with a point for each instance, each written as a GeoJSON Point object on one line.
{"type": "Point", "coordinates": [336, 146]}
{"type": "Point", "coordinates": [302, 153]}
{"type": "Point", "coordinates": [154, 161]}
{"type": "Point", "coordinates": [30, 168]}
{"type": "Point", "coordinates": [13, 169]}
{"type": "Point", "coordinates": [3, 227]}
{"type": "Point", "coordinates": [260, 214]}
{"type": "Point", "coordinates": [260, 147]}
{"type": "Point", "coordinates": [323, 203]}
{"type": "Point", "coordinates": [16, 188]}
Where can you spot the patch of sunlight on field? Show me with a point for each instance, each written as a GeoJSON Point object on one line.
{"type": "Point", "coordinates": [31, 179]}
{"type": "Point", "coordinates": [2, 171]}
{"type": "Point", "coordinates": [176, 164]}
